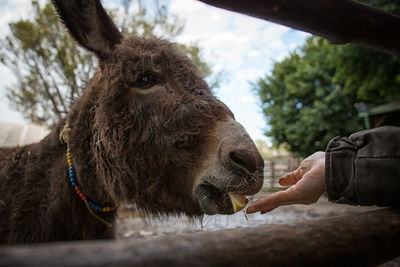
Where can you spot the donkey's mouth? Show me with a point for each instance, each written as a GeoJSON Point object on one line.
{"type": "Point", "coordinates": [213, 200]}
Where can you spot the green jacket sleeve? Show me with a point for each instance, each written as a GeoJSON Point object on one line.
{"type": "Point", "coordinates": [364, 169]}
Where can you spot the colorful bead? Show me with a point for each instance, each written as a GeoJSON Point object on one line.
{"type": "Point", "coordinates": [78, 191]}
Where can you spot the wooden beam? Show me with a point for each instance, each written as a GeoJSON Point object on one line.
{"type": "Point", "coordinates": [364, 239]}
{"type": "Point", "coordinates": [339, 21]}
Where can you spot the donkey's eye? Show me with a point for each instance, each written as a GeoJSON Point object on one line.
{"type": "Point", "coordinates": [148, 80]}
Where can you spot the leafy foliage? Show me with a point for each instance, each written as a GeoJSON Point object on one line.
{"type": "Point", "coordinates": [368, 75]}
{"type": "Point", "coordinates": [309, 97]}
{"type": "Point", "coordinates": [303, 107]}
{"type": "Point", "coordinates": [50, 68]}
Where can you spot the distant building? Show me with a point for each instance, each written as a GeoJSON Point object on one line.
{"type": "Point", "coordinates": [377, 116]}
{"type": "Point", "coordinates": [12, 134]}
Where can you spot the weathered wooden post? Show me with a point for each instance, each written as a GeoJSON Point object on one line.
{"type": "Point", "coordinates": [340, 22]}
{"type": "Point", "coordinates": [364, 239]}
{"type": "Point", "coordinates": [273, 173]}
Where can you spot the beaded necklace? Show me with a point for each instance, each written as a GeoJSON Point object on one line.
{"type": "Point", "coordinates": [64, 137]}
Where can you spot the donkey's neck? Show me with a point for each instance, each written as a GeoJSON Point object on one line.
{"type": "Point", "coordinates": [61, 214]}
{"type": "Point", "coordinates": [93, 224]}
{"type": "Point", "coordinates": [81, 144]}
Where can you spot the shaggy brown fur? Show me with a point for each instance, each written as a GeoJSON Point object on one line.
{"type": "Point", "coordinates": [130, 142]}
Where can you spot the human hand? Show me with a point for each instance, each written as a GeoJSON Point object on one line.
{"type": "Point", "coordinates": [308, 181]}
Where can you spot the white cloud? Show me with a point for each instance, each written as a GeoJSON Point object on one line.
{"type": "Point", "coordinates": [248, 99]}
{"type": "Point", "coordinates": [293, 46]}
{"type": "Point", "coordinates": [246, 48]}
{"type": "Point", "coordinates": [185, 6]}
{"type": "Point", "coordinates": [12, 11]}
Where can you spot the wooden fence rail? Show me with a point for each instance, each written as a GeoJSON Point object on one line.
{"type": "Point", "coordinates": [365, 239]}
{"type": "Point", "coordinates": [343, 21]}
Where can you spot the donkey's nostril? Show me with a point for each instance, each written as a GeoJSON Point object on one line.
{"type": "Point", "coordinates": [244, 159]}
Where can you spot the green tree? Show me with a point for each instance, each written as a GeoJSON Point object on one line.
{"type": "Point", "coordinates": [51, 70]}
{"type": "Point", "coordinates": [268, 151]}
{"type": "Point", "coordinates": [302, 105]}
{"type": "Point", "coordinates": [367, 75]}
{"type": "Point", "coordinates": [49, 67]}
{"type": "Point", "coordinates": [309, 97]}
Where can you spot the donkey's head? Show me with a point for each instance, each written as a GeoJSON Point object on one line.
{"type": "Point", "coordinates": [156, 135]}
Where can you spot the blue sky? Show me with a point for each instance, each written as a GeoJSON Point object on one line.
{"type": "Point", "coordinates": [244, 48]}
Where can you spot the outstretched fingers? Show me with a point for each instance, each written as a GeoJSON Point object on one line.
{"type": "Point", "coordinates": [273, 201]}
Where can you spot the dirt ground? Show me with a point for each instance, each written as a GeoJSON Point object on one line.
{"type": "Point", "coordinates": [138, 227]}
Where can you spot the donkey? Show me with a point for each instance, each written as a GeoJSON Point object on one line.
{"type": "Point", "coordinates": [146, 130]}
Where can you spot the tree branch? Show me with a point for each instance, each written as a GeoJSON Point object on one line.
{"type": "Point", "coordinates": [47, 90]}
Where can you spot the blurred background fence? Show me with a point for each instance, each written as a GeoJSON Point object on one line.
{"type": "Point", "coordinates": [276, 167]}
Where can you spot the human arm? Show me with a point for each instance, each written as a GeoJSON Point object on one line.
{"type": "Point", "coordinates": [363, 169]}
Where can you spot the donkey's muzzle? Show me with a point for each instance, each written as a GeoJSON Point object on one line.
{"type": "Point", "coordinates": [237, 170]}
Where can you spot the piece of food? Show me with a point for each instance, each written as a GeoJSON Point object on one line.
{"type": "Point", "coordinates": [238, 201]}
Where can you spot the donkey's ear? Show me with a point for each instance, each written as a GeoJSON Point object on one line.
{"type": "Point", "coordinates": [89, 24]}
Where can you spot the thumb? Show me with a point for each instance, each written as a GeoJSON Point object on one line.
{"type": "Point", "coordinates": [291, 178]}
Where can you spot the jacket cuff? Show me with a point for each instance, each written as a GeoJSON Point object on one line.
{"type": "Point", "coordinates": [339, 171]}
